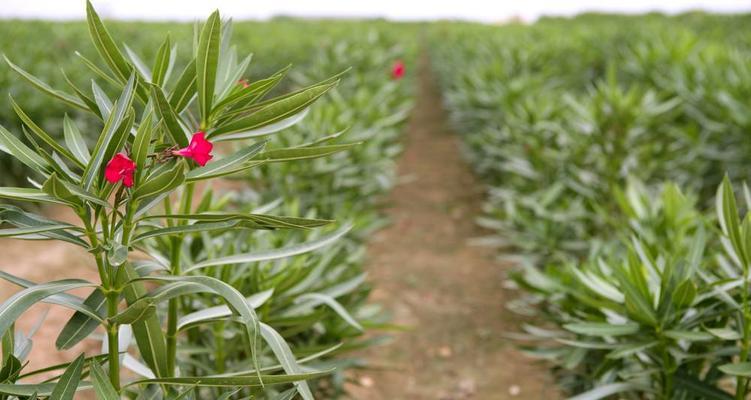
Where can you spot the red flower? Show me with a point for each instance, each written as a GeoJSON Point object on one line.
{"type": "Point", "coordinates": [397, 70]}
{"type": "Point", "coordinates": [120, 167]}
{"type": "Point", "coordinates": [199, 149]}
{"type": "Point", "coordinates": [243, 82]}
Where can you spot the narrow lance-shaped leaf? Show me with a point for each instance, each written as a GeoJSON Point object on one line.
{"type": "Point", "coordinates": [227, 165]}
{"type": "Point", "coordinates": [162, 62]}
{"type": "Point", "coordinates": [74, 140]}
{"type": "Point", "coordinates": [39, 84]}
{"type": "Point", "coordinates": [68, 383]}
{"type": "Point", "coordinates": [108, 135]}
{"type": "Point", "coordinates": [273, 254]}
{"type": "Point", "coordinates": [169, 117]}
{"type": "Point", "coordinates": [274, 110]}
{"type": "Point", "coordinates": [105, 45]}
{"type": "Point", "coordinates": [102, 385]}
{"type": "Point", "coordinates": [80, 325]}
{"type": "Point", "coordinates": [13, 146]}
{"type": "Point", "coordinates": [207, 61]}
{"type": "Point", "coordinates": [12, 308]}
{"type": "Point", "coordinates": [41, 134]}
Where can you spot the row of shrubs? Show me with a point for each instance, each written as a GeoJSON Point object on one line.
{"type": "Point", "coordinates": [603, 140]}
{"type": "Point", "coordinates": [306, 288]}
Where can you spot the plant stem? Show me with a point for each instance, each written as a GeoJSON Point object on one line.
{"type": "Point", "coordinates": [172, 310]}
{"type": "Point", "coordinates": [113, 298]}
{"type": "Point", "coordinates": [219, 338]}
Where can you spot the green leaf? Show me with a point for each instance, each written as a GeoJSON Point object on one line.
{"type": "Point", "coordinates": [20, 218]}
{"type": "Point", "coordinates": [699, 389]}
{"type": "Point", "coordinates": [67, 385]}
{"type": "Point", "coordinates": [227, 165]}
{"type": "Point", "coordinates": [162, 62]}
{"type": "Point", "coordinates": [273, 111]}
{"type": "Point", "coordinates": [12, 308]}
{"type": "Point", "coordinates": [684, 294]}
{"type": "Point", "coordinates": [27, 194]}
{"type": "Point", "coordinates": [232, 297]}
{"type": "Point", "coordinates": [148, 332]}
{"type": "Point", "coordinates": [273, 254]}
{"type": "Point", "coordinates": [283, 353]}
{"type": "Point", "coordinates": [55, 188]}
{"type": "Point", "coordinates": [39, 84]}
{"type": "Point", "coordinates": [691, 336]}
{"type": "Point", "coordinates": [161, 183]}
{"type": "Point", "coordinates": [75, 141]}
{"type": "Point", "coordinates": [141, 143]}
{"type": "Point", "coordinates": [739, 369]}
{"type": "Point", "coordinates": [183, 229]}
{"type": "Point", "coordinates": [40, 389]}
{"type": "Point", "coordinates": [260, 221]}
{"type": "Point", "coordinates": [724, 333]}
{"type": "Point", "coordinates": [313, 299]}
{"type": "Point", "coordinates": [80, 325]}
{"type": "Point", "coordinates": [220, 312]}
{"type": "Point", "coordinates": [207, 61]}
{"type": "Point", "coordinates": [105, 46]}
{"type": "Point", "coordinates": [727, 214]}
{"type": "Point", "coordinates": [184, 88]}
{"type": "Point", "coordinates": [41, 134]}
{"type": "Point", "coordinates": [13, 146]}
{"type": "Point", "coordinates": [141, 309]}
{"type": "Point", "coordinates": [169, 117]}
{"type": "Point", "coordinates": [117, 254]}
{"type": "Point", "coordinates": [610, 389]}
{"type": "Point", "coordinates": [603, 328]}
{"type": "Point", "coordinates": [102, 385]}
{"type": "Point", "coordinates": [233, 381]}
{"type": "Point", "coordinates": [108, 139]}
{"type": "Point", "coordinates": [302, 153]}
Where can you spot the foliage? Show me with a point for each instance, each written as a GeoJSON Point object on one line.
{"type": "Point", "coordinates": [228, 310]}
{"type": "Point", "coordinates": [575, 125]}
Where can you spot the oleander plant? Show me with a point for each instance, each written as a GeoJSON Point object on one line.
{"type": "Point", "coordinates": [170, 251]}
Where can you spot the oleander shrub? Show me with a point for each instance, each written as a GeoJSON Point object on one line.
{"type": "Point", "coordinates": [202, 294]}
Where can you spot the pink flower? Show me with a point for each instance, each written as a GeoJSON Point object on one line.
{"type": "Point", "coordinates": [120, 167]}
{"type": "Point", "coordinates": [243, 82]}
{"type": "Point", "coordinates": [397, 70]}
{"type": "Point", "coordinates": [199, 149]}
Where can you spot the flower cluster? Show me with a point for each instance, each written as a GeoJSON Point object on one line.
{"type": "Point", "coordinates": [121, 167]}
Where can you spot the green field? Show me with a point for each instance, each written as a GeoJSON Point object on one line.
{"type": "Point", "coordinates": [612, 151]}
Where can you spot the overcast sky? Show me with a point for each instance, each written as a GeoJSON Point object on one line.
{"type": "Point", "coordinates": [481, 10]}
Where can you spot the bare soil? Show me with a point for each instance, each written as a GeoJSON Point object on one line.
{"type": "Point", "coordinates": [447, 291]}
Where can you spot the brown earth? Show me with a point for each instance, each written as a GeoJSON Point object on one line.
{"type": "Point", "coordinates": [448, 292]}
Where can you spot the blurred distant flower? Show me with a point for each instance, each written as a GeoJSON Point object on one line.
{"type": "Point", "coordinates": [199, 149]}
{"type": "Point", "coordinates": [243, 82]}
{"type": "Point", "coordinates": [397, 70]}
{"type": "Point", "coordinates": [120, 167]}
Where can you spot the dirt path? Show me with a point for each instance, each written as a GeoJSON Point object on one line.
{"type": "Point", "coordinates": [449, 292]}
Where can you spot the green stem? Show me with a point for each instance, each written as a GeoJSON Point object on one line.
{"type": "Point", "coordinates": [172, 310]}
{"type": "Point", "coordinates": [219, 338]}
{"type": "Point", "coordinates": [113, 298]}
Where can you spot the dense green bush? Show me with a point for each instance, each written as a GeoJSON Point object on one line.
{"type": "Point", "coordinates": [563, 118]}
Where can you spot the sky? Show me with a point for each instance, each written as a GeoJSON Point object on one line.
{"type": "Point", "coordinates": [478, 10]}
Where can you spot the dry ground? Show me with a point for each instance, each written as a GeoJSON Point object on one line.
{"type": "Point", "coordinates": [450, 293]}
